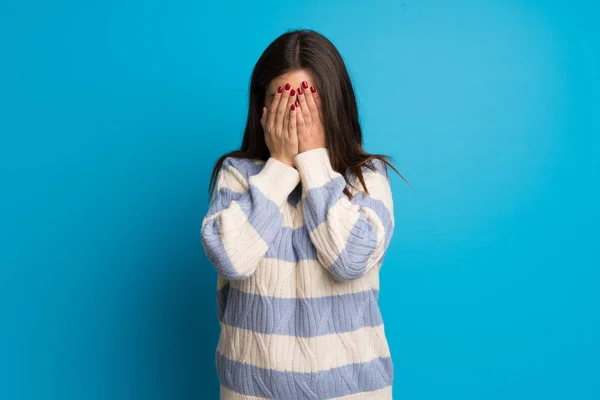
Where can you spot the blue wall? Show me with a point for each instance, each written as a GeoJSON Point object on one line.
{"type": "Point", "coordinates": [113, 112]}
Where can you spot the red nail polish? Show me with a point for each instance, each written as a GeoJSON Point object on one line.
{"type": "Point", "coordinates": [300, 90]}
{"type": "Point", "coordinates": [293, 92]}
{"type": "Point", "coordinates": [287, 86]}
{"type": "Point", "coordinates": [293, 107]}
{"type": "Point", "coordinates": [305, 85]}
{"type": "Point", "coordinates": [313, 89]}
{"type": "Point", "coordinates": [279, 89]}
{"type": "Point", "coordinates": [297, 103]}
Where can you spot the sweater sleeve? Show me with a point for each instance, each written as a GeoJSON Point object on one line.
{"type": "Point", "coordinates": [350, 236]}
{"type": "Point", "coordinates": [244, 215]}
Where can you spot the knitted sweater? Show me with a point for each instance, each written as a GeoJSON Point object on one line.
{"type": "Point", "coordinates": [298, 280]}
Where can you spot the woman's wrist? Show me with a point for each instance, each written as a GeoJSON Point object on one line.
{"type": "Point", "coordinates": [289, 162]}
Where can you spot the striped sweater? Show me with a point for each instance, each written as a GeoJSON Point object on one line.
{"type": "Point", "coordinates": [298, 280]}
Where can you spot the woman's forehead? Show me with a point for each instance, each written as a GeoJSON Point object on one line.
{"type": "Point", "coordinates": [294, 78]}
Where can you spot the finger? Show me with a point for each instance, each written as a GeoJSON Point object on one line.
{"type": "Point", "coordinates": [302, 100]}
{"type": "Point", "coordinates": [283, 106]}
{"type": "Point", "coordinates": [317, 96]}
{"type": "Point", "coordinates": [292, 127]}
{"type": "Point", "coordinates": [291, 101]}
{"type": "Point", "coordinates": [300, 123]}
{"type": "Point", "coordinates": [263, 118]}
{"type": "Point", "coordinates": [273, 108]}
{"type": "Point", "coordinates": [310, 100]}
{"type": "Point", "coordinates": [286, 121]}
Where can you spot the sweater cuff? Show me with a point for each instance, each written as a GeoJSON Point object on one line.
{"type": "Point", "coordinates": [276, 180]}
{"type": "Point", "coordinates": [315, 167]}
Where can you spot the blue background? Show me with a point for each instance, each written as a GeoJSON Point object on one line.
{"type": "Point", "coordinates": [112, 114]}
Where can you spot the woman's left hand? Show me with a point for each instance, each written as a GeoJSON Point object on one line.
{"type": "Point", "coordinates": [309, 122]}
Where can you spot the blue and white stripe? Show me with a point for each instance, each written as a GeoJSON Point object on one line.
{"type": "Point", "coordinates": [298, 280]}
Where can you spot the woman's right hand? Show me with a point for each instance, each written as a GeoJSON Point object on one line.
{"type": "Point", "coordinates": [280, 130]}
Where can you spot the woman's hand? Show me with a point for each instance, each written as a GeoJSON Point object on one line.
{"type": "Point", "coordinates": [311, 133]}
{"type": "Point", "coordinates": [281, 140]}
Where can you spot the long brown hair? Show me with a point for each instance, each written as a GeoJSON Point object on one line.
{"type": "Point", "coordinates": [310, 50]}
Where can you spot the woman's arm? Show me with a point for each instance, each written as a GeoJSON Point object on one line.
{"type": "Point", "coordinates": [350, 236]}
{"type": "Point", "coordinates": [244, 216]}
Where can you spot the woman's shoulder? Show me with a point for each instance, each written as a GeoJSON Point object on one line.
{"type": "Point", "coordinates": [380, 167]}
{"type": "Point", "coordinates": [376, 166]}
{"type": "Point", "coordinates": [245, 166]}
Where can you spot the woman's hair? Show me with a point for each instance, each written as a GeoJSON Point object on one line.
{"type": "Point", "coordinates": [307, 49]}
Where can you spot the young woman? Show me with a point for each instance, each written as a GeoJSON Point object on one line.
{"type": "Point", "coordinates": [298, 223]}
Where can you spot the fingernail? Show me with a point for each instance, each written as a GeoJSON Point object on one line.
{"type": "Point", "coordinates": [305, 84]}
{"type": "Point", "coordinates": [293, 107]}
{"type": "Point", "coordinates": [300, 90]}
{"type": "Point", "coordinates": [293, 93]}
{"type": "Point", "coordinates": [297, 103]}
{"type": "Point", "coordinates": [279, 89]}
{"type": "Point", "coordinates": [287, 86]}
{"type": "Point", "coordinates": [313, 89]}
